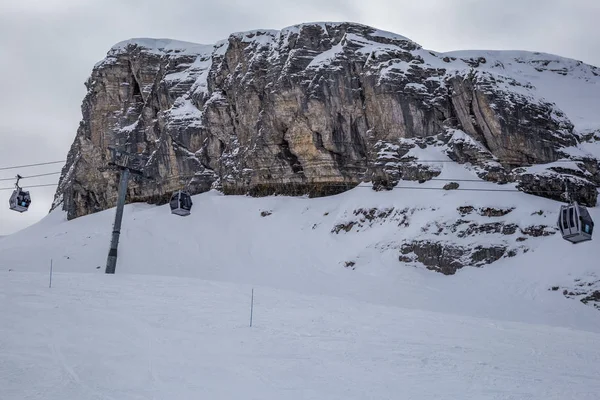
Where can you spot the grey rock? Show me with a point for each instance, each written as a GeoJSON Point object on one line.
{"type": "Point", "coordinates": [261, 113]}
{"type": "Point", "coordinates": [448, 258]}
{"type": "Point", "coordinates": [559, 187]}
{"type": "Point", "coordinates": [451, 186]}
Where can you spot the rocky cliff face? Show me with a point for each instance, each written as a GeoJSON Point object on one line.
{"type": "Point", "coordinates": [318, 108]}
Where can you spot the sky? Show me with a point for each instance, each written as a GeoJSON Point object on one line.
{"type": "Point", "coordinates": [48, 49]}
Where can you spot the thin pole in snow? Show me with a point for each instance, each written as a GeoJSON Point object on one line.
{"type": "Point", "coordinates": [50, 274]}
{"type": "Point", "coordinates": [251, 307]}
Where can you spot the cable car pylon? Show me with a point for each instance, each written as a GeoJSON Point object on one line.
{"type": "Point", "coordinates": [127, 163]}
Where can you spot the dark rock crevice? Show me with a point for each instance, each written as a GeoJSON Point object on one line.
{"type": "Point", "coordinates": [287, 155]}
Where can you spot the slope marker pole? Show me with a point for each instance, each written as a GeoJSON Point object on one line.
{"type": "Point", "coordinates": [251, 307]}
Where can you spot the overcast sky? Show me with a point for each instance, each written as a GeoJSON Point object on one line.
{"type": "Point", "coordinates": [48, 48]}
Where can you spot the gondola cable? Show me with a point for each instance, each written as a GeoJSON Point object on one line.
{"type": "Point", "coordinates": [32, 176]}
{"type": "Point", "coordinates": [31, 165]}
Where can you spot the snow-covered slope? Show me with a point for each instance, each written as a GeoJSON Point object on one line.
{"type": "Point", "coordinates": [570, 84]}
{"type": "Point", "coordinates": [140, 337]}
{"type": "Point", "coordinates": [336, 314]}
{"type": "Point", "coordinates": [337, 246]}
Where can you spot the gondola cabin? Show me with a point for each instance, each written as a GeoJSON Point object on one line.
{"type": "Point", "coordinates": [181, 203]}
{"type": "Point", "coordinates": [575, 223]}
{"type": "Point", "coordinates": [19, 200]}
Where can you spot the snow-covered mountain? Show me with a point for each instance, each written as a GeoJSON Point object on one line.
{"type": "Point", "coordinates": [321, 108]}
{"type": "Point", "coordinates": [401, 256]}
{"type": "Point", "coordinates": [318, 108]}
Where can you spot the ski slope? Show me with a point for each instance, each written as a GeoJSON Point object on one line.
{"type": "Point", "coordinates": [173, 321]}
{"type": "Point", "coordinates": [142, 337]}
{"type": "Point", "coordinates": [226, 239]}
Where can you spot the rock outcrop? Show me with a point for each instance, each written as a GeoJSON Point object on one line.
{"type": "Point", "coordinates": [446, 241]}
{"type": "Point", "coordinates": [317, 109]}
{"type": "Point", "coordinates": [447, 258]}
{"type": "Point", "coordinates": [586, 289]}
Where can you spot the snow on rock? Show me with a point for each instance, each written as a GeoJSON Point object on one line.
{"type": "Point", "coordinates": [184, 111]}
{"type": "Point", "coordinates": [160, 46]}
{"type": "Point", "coordinates": [324, 58]}
{"type": "Point", "coordinates": [570, 84]}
